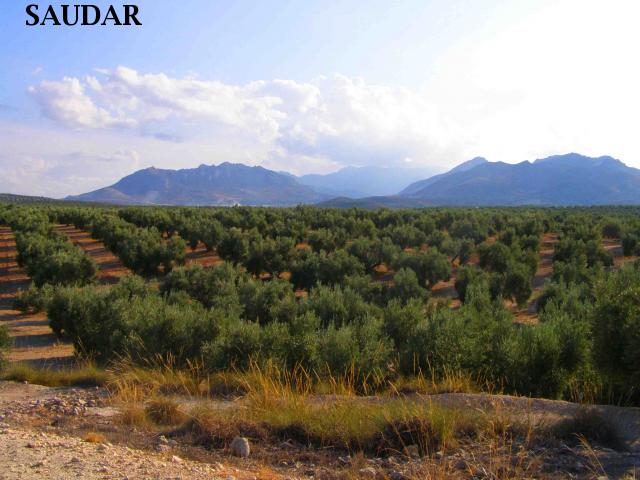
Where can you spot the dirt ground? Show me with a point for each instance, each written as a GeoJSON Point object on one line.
{"type": "Point", "coordinates": [68, 432]}
{"type": "Point", "coordinates": [614, 246]}
{"type": "Point", "coordinates": [202, 257]}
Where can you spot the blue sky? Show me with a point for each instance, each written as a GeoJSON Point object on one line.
{"type": "Point", "coordinates": [311, 86]}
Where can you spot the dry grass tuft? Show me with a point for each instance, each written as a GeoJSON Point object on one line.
{"type": "Point", "coordinates": [214, 428]}
{"type": "Point", "coordinates": [225, 384]}
{"type": "Point", "coordinates": [164, 411]}
{"type": "Point", "coordinates": [94, 437]}
{"type": "Point", "coordinates": [285, 407]}
{"type": "Point", "coordinates": [158, 378]}
{"type": "Point", "coordinates": [133, 415]}
{"type": "Point", "coordinates": [87, 375]}
{"type": "Point", "coordinates": [449, 382]}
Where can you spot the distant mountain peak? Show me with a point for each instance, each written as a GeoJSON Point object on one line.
{"type": "Point", "coordinates": [225, 184]}
{"type": "Point", "coordinates": [577, 157]}
{"type": "Point", "coordinates": [568, 179]}
{"type": "Point", "coordinates": [474, 162]}
{"type": "Point", "coordinates": [463, 167]}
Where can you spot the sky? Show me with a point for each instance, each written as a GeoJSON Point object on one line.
{"type": "Point", "coordinates": [311, 86]}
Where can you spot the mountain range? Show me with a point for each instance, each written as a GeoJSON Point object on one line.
{"type": "Point", "coordinates": [570, 179]}
{"type": "Point", "coordinates": [235, 183]}
{"type": "Point", "coordinates": [225, 184]}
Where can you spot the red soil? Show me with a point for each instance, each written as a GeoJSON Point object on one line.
{"type": "Point", "coordinates": [202, 257]}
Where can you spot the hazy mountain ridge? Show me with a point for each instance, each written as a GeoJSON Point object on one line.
{"type": "Point", "coordinates": [225, 184]}
{"type": "Point", "coordinates": [570, 179]}
{"type": "Point", "coordinates": [562, 180]}
{"type": "Point", "coordinates": [359, 182]}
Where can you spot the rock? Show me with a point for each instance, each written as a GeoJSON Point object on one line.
{"type": "Point", "coordinates": [176, 459]}
{"type": "Point", "coordinates": [460, 464]}
{"type": "Point", "coordinates": [395, 475]}
{"type": "Point", "coordinates": [344, 460]}
{"type": "Point", "coordinates": [368, 472]}
{"type": "Point", "coordinates": [240, 447]}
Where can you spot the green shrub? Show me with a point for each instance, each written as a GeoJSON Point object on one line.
{"type": "Point", "coordinates": [544, 358]}
{"type": "Point", "coordinates": [53, 260]}
{"type": "Point", "coordinates": [130, 319]}
{"type": "Point", "coordinates": [5, 342]}
{"type": "Point", "coordinates": [327, 268]}
{"type": "Point", "coordinates": [360, 350]}
{"type": "Point", "coordinates": [406, 287]}
{"type": "Point", "coordinates": [338, 306]}
{"type": "Point", "coordinates": [33, 299]}
{"type": "Point", "coordinates": [266, 302]}
{"type": "Point", "coordinates": [616, 328]}
{"type": "Point", "coordinates": [215, 287]}
{"type": "Point", "coordinates": [464, 277]}
{"type": "Point", "coordinates": [430, 267]}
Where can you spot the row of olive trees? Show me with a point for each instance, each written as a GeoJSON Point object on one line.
{"type": "Point", "coordinates": [143, 250]}
{"type": "Point", "coordinates": [48, 257]}
{"type": "Point", "coordinates": [228, 319]}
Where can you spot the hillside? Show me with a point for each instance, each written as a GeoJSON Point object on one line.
{"type": "Point", "coordinates": [225, 184]}
{"type": "Point", "coordinates": [570, 179]}
{"type": "Point", "coordinates": [422, 184]}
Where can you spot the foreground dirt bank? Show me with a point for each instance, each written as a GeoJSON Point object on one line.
{"type": "Point", "coordinates": [60, 433]}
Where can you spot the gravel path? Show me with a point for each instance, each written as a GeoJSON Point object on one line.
{"type": "Point", "coordinates": [28, 454]}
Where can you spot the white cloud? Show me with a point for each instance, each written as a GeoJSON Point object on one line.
{"type": "Point", "coordinates": [328, 121]}
{"type": "Point", "coordinates": [66, 101]}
